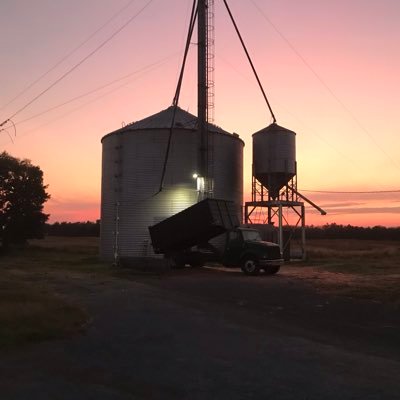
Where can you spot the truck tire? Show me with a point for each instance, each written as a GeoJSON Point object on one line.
{"type": "Point", "coordinates": [177, 262]}
{"type": "Point", "coordinates": [272, 269]}
{"type": "Point", "coordinates": [250, 266]}
{"type": "Point", "coordinates": [196, 260]}
{"type": "Point", "coordinates": [197, 264]}
{"type": "Point", "coordinates": [178, 265]}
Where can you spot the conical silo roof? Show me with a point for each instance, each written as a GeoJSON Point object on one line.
{"type": "Point", "coordinates": [162, 120]}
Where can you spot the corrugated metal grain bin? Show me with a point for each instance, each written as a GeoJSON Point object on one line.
{"type": "Point", "coordinates": [194, 225]}
{"type": "Point", "coordinates": [274, 157]}
{"type": "Point", "coordinates": [132, 165]}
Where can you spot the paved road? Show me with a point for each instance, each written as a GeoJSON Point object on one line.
{"type": "Point", "coordinates": [211, 335]}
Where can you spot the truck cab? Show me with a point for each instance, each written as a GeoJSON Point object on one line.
{"type": "Point", "coordinates": [245, 249]}
{"type": "Point", "coordinates": [209, 231]}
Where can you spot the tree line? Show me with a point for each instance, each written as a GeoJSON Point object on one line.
{"type": "Point", "coordinates": [335, 231]}
{"type": "Point", "coordinates": [87, 228]}
{"type": "Point", "coordinates": [23, 194]}
{"type": "Point", "coordinates": [328, 231]}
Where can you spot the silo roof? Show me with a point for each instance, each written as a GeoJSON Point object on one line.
{"type": "Point", "coordinates": [162, 120]}
{"type": "Point", "coordinates": [274, 128]}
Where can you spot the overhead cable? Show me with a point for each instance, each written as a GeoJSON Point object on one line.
{"type": "Point", "coordinates": [250, 61]}
{"type": "Point", "coordinates": [141, 70]}
{"type": "Point", "coordinates": [352, 192]}
{"type": "Point", "coordinates": [79, 63]}
{"type": "Point", "coordinates": [175, 101]}
{"type": "Point", "coordinates": [74, 50]}
{"type": "Point", "coordinates": [338, 100]}
{"type": "Point", "coordinates": [154, 66]}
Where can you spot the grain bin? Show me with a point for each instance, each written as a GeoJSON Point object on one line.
{"type": "Point", "coordinates": [132, 164]}
{"type": "Point", "coordinates": [274, 157]}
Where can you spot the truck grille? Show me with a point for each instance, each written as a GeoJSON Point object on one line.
{"type": "Point", "coordinates": [274, 252]}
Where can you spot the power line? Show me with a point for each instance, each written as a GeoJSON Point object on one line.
{"type": "Point", "coordinates": [319, 78]}
{"type": "Point", "coordinates": [82, 105]}
{"type": "Point", "coordinates": [351, 192]}
{"type": "Point", "coordinates": [79, 63]}
{"type": "Point", "coordinates": [300, 120]}
{"type": "Point", "coordinates": [144, 69]}
{"type": "Point", "coordinates": [74, 110]}
{"type": "Point", "coordinates": [68, 54]}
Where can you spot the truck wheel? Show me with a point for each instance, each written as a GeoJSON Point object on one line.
{"type": "Point", "coordinates": [196, 261]}
{"type": "Point", "coordinates": [197, 264]}
{"type": "Point", "coordinates": [272, 269]}
{"type": "Point", "coordinates": [250, 266]}
{"type": "Point", "coordinates": [178, 263]}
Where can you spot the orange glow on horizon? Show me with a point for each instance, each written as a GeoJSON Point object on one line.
{"type": "Point", "coordinates": [334, 81]}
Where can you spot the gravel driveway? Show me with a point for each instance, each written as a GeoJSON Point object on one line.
{"type": "Point", "coordinates": [208, 334]}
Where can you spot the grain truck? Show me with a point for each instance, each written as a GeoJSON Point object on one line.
{"type": "Point", "coordinates": [209, 231]}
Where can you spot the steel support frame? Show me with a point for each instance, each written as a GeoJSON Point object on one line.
{"type": "Point", "coordinates": [272, 211]}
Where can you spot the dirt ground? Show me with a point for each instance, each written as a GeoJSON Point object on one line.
{"type": "Point", "coordinates": [313, 331]}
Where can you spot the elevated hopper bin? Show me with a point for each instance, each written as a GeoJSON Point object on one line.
{"type": "Point", "coordinates": [274, 157]}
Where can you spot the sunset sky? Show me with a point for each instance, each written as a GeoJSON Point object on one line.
{"type": "Point", "coordinates": [331, 70]}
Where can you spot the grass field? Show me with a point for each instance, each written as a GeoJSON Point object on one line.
{"type": "Point", "coordinates": [30, 314]}
{"type": "Point", "coordinates": [31, 310]}
{"type": "Point", "coordinates": [356, 268]}
{"type": "Point", "coordinates": [356, 256]}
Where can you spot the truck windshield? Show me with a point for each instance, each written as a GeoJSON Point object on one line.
{"type": "Point", "coordinates": [250, 235]}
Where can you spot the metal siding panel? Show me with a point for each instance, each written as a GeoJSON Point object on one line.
{"type": "Point", "coordinates": [274, 152]}
{"type": "Point", "coordinates": [141, 161]}
{"type": "Point", "coordinates": [142, 157]}
{"type": "Point", "coordinates": [274, 157]}
{"type": "Point", "coordinates": [228, 169]}
{"type": "Point", "coordinates": [108, 198]}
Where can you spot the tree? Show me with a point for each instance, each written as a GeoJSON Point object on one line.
{"type": "Point", "coordinates": [22, 195]}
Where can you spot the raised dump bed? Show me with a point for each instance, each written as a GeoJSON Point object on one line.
{"type": "Point", "coordinates": [194, 225]}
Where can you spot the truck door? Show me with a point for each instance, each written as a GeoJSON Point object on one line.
{"type": "Point", "coordinates": [233, 249]}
